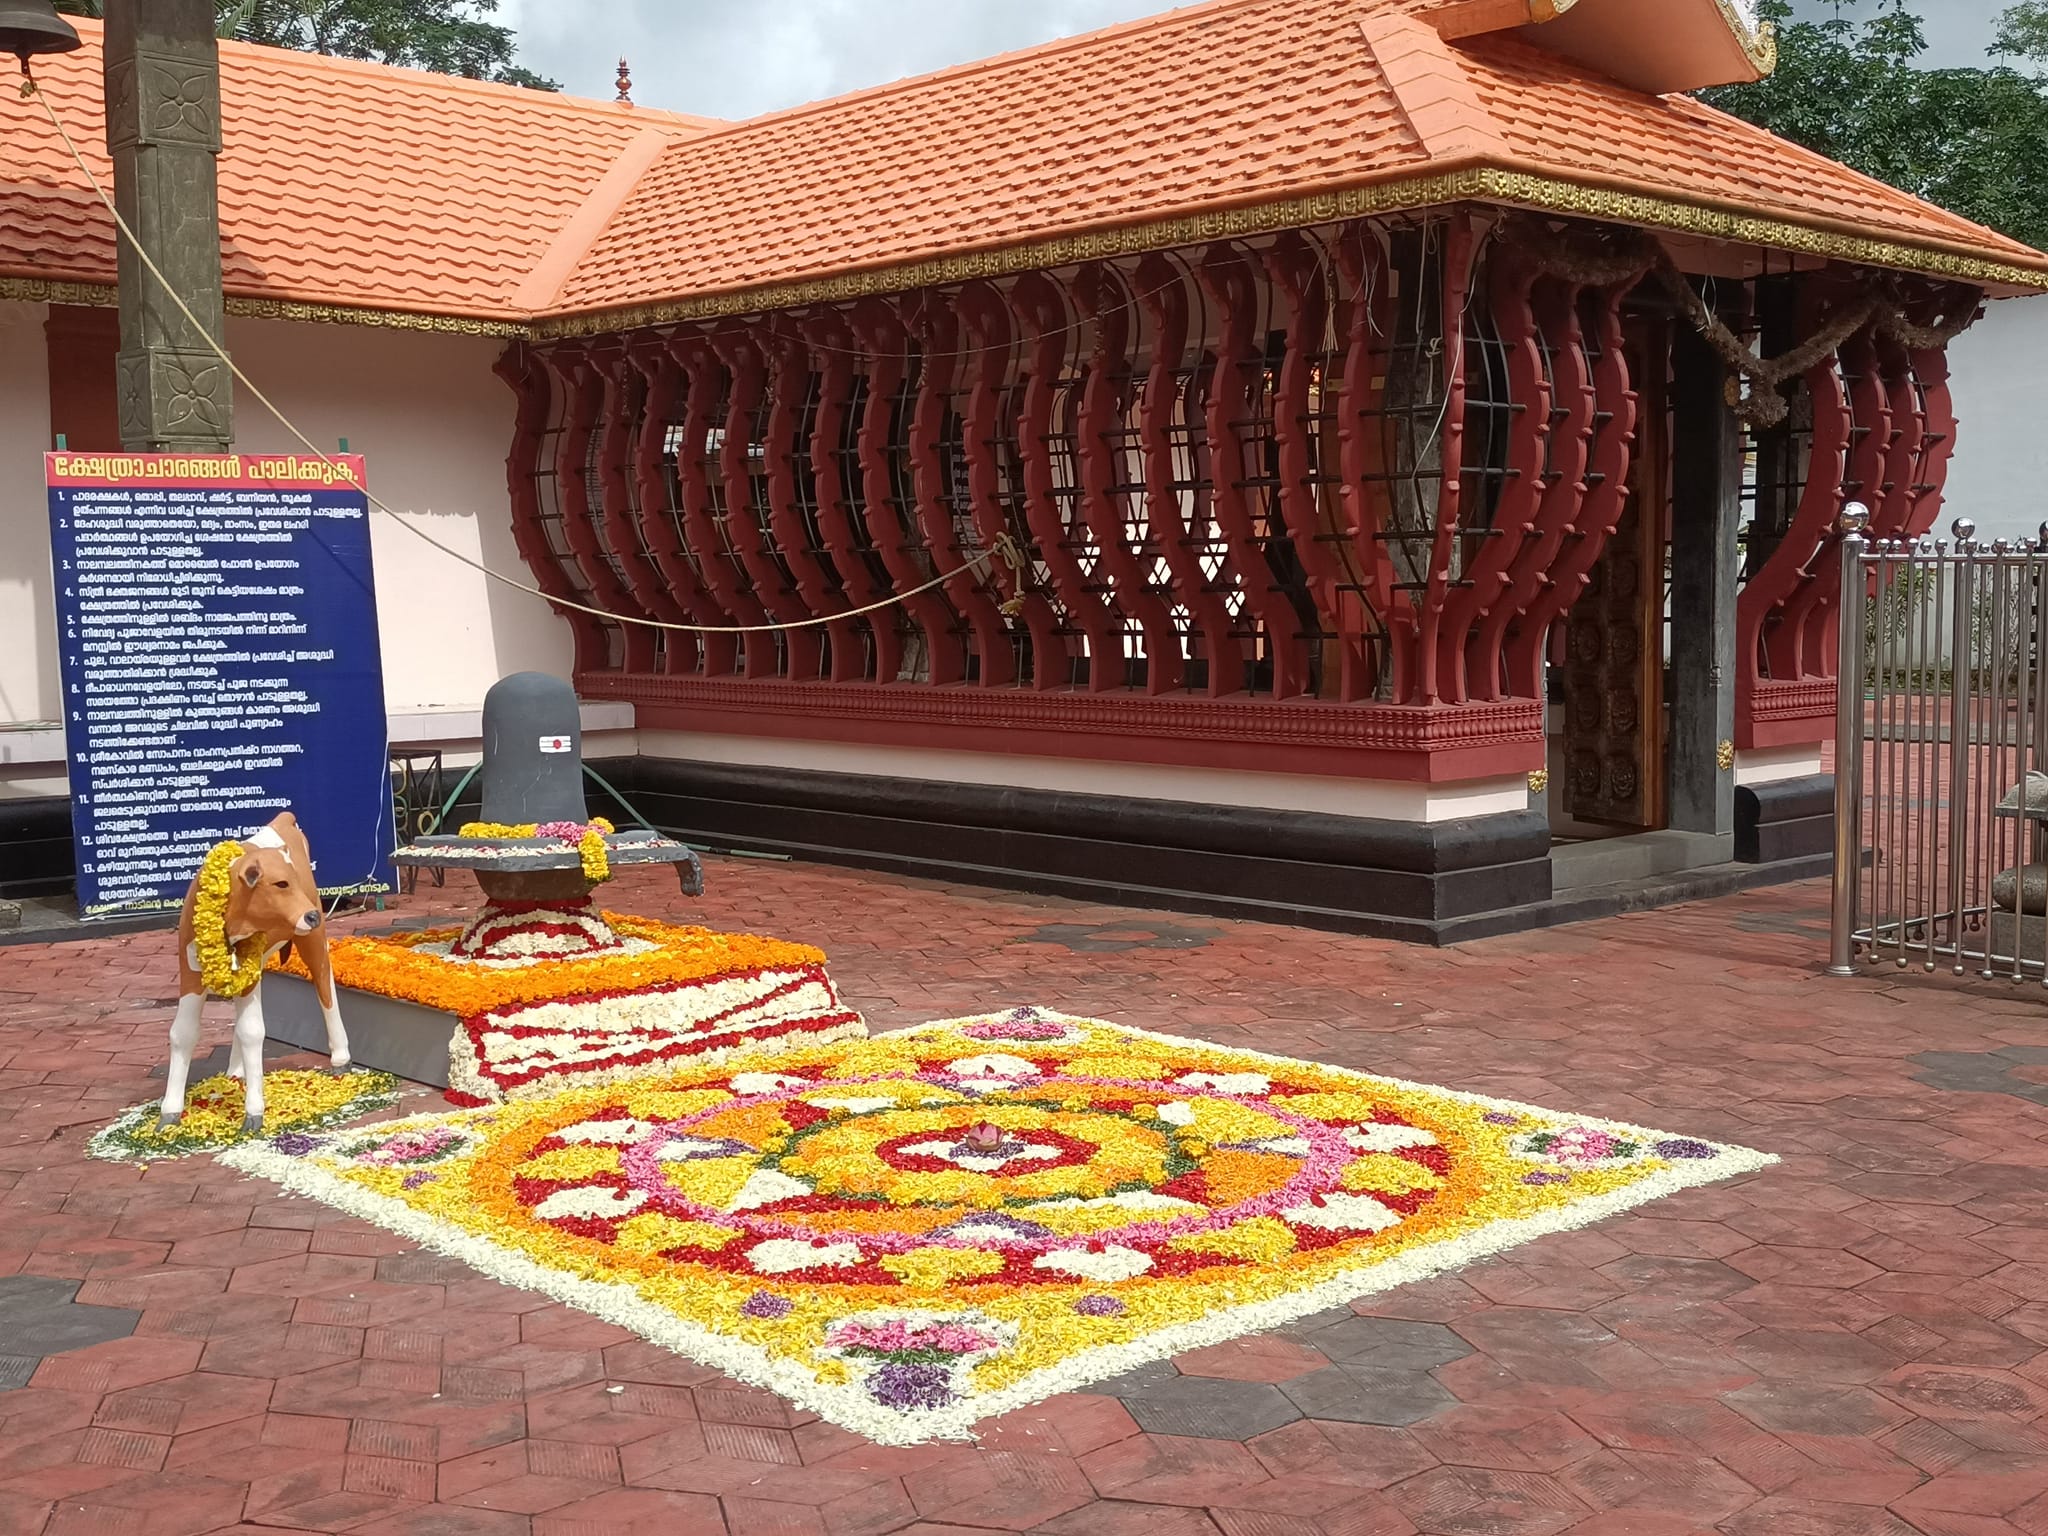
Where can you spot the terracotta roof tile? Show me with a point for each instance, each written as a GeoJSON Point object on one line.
{"type": "Point", "coordinates": [1217, 104]}
{"type": "Point", "coordinates": [1231, 103]}
{"type": "Point", "coordinates": [340, 183]}
{"type": "Point", "coordinates": [1558, 118]}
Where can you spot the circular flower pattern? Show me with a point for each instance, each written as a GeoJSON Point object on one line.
{"type": "Point", "coordinates": [926, 1220]}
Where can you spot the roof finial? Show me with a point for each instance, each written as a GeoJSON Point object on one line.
{"type": "Point", "coordinates": [625, 97]}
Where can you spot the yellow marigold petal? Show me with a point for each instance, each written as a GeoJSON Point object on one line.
{"type": "Point", "coordinates": [932, 1268]}
{"type": "Point", "coordinates": [1388, 1175]}
{"type": "Point", "coordinates": [652, 1232]}
{"type": "Point", "coordinates": [571, 1163]}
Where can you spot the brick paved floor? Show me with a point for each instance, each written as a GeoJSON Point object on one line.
{"type": "Point", "coordinates": [1855, 1341]}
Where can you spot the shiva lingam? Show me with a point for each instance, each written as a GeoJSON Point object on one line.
{"type": "Point", "coordinates": [537, 854]}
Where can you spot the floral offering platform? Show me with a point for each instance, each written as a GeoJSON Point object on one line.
{"type": "Point", "coordinates": [559, 995]}
{"type": "Point", "coordinates": [907, 1233]}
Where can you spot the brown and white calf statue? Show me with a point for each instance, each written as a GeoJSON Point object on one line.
{"type": "Point", "coordinates": [250, 900]}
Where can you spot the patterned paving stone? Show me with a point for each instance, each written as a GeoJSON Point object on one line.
{"type": "Point", "coordinates": [1210, 1408]}
{"type": "Point", "coordinates": [1855, 1341]}
{"type": "Point", "coordinates": [1368, 1395]}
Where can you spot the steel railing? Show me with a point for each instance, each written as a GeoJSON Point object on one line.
{"type": "Point", "coordinates": [1941, 837]}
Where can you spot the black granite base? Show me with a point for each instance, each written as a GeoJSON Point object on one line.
{"type": "Point", "coordinates": [1791, 819]}
{"type": "Point", "coordinates": [385, 1033]}
{"type": "Point", "coordinates": [1432, 884]}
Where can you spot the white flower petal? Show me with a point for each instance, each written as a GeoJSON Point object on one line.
{"type": "Point", "coordinates": [764, 1187]}
{"type": "Point", "coordinates": [1341, 1212]}
{"type": "Point", "coordinates": [996, 1064]}
{"type": "Point", "coordinates": [612, 1132]}
{"type": "Point", "coordinates": [590, 1200]}
{"type": "Point", "coordinates": [1177, 1113]}
{"type": "Point", "coordinates": [853, 1106]}
{"type": "Point", "coordinates": [1287, 1146]}
{"type": "Point", "coordinates": [1227, 1082]}
{"type": "Point", "coordinates": [781, 1255]}
{"type": "Point", "coordinates": [1113, 1263]}
{"type": "Point", "coordinates": [750, 1083]}
{"type": "Point", "coordinates": [1388, 1138]}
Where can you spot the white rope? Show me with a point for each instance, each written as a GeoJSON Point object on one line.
{"type": "Point", "coordinates": [1003, 545]}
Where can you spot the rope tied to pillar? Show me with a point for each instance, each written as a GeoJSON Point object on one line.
{"type": "Point", "coordinates": [1002, 549]}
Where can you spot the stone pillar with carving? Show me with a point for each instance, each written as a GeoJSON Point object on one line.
{"type": "Point", "coordinates": [163, 131]}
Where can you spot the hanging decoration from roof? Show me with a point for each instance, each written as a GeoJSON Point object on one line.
{"type": "Point", "coordinates": [1608, 259]}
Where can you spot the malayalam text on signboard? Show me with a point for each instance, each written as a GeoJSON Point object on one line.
{"type": "Point", "coordinates": [217, 622]}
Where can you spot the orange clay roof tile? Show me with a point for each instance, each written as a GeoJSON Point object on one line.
{"type": "Point", "coordinates": [362, 186]}
{"type": "Point", "coordinates": [1235, 102]}
{"type": "Point", "coordinates": [340, 183]}
{"type": "Point", "coordinates": [1558, 118]}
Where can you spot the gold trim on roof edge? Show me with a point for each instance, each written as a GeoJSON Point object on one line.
{"type": "Point", "coordinates": [1760, 43]}
{"type": "Point", "coordinates": [1476, 184]}
{"type": "Point", "coordinates": [1482, 183]}
{"type": "Point", "coordinates": [39, 290]}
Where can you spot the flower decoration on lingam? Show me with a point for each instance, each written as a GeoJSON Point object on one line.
{"type": "Point", "coordinates": [537, 853]}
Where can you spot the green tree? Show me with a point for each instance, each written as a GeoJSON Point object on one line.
{"type": "Point", "coordinates": [450, 37]}
{"type": "Point", "coordinates": [1972, 140]}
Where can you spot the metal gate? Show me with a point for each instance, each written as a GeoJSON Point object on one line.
{"type": "Point", "coordinates": [1941, 799]}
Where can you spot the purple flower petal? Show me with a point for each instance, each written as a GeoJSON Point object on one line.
{"type": "Point", "coordinates": [767, 1304]}
{"type": "Point", "coordinates": [904, 1387]}
{"type": "Point", "coordinates": [1099, 1306]}
{"type": "Point", "coordinates": [1685, 1147]}
{"type": "Point", "coordinates": [1540, 1177]}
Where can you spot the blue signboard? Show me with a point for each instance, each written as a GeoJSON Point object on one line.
{"type": "Point", "coordinates": [217, 621]}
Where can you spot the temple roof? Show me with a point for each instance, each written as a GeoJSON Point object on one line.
{"type": "Point", "coordinates": [341, 183]}
{"type": "Point", "coordinates": [388, 190]}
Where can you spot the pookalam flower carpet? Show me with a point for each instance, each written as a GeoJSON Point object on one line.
{"type": "Point", "coordinates": [553, 995]}
{"type": "Point", "coordinates": [907, 1233]}
{"type": "Point", "coordinates": [294, 1100]}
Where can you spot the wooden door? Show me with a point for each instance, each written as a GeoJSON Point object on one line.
{"type": "Point", "coordinates": [1614, 636]}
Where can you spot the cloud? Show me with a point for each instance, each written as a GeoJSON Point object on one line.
{"type": "Point", "coordinates": [739, 60]}
{"type": "Point", "coordinates": [726, 60]}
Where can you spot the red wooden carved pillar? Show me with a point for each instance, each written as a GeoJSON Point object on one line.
{"type": "Point", "coordinates": [1766, 644]}
{"type": "Point", "coordinates": [1042, 314]}
{"type": "Point", "coordinates": [660, 531]}
{"type": "Point", "coordinates": [1368, 323]}
{"type": "Point", "coordinates": [753, 654]}
{"type": "Point", "coordinates": [583, 393]}
{"type": "Point", "coordinates": [1163, 291]}
{"type": "Point", "coordinates": [524, 374]}
{"type": "Point", "coordinates": [1100, 297]}
{"type": "Point", "coordinates": [1461, 247]}
{"type": "Point", "coordinates": [784, 446]}
{"type": "Point", "coordinates": [1605, 501]}
{"type": "Point", "coordinates": [1573, 400]}
{"type": "Point", "coordinates": [938, 331]}
{"type": "Point", "coordinates": [620, 523]}
{"type": "Point", "coordinates": [1930, 370]}
{"type": "Point", "coordinates": [986, 320]}
{"type": "Point", "coordinates": [832, 354]}
{"type": "Point", "coordinates": [1809, 616]}
{"type": "Point", "coordinates": [1228, 279]}
{"type": "Point", "coordinates": [888, 523]}
{"type": "Point", "coordinates": [1296, 271]}
{"type": "Point", "coordinates": [1471, 656]}
{"type": "Point", "coordinates": [746, 517]}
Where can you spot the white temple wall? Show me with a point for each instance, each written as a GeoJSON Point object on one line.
{"type": "Point", "coordinates": [28, 625]}
{"type": "Point", "coordinates": [1999, 368]}
{"type": "Point", "coordinates": [433, 423]}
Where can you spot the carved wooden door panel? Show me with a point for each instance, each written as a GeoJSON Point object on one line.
{"type": "Point", "coordinates": [1614, 635]}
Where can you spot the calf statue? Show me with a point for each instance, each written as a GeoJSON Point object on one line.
{"type": "Point", "coordinates": [249, 901]}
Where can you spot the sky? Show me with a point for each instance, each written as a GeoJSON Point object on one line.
{"type": "Point", "coordinates": [725, 60]}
